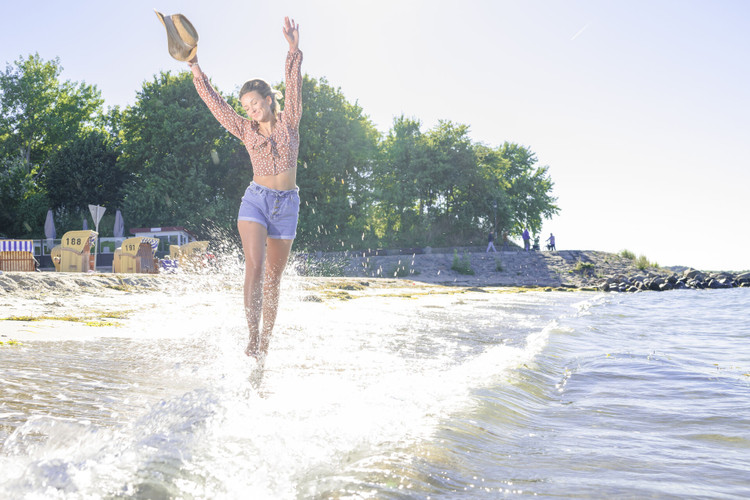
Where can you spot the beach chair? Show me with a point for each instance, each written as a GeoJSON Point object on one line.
{"type": "Point", "coordinates": [17, 255]}
{"type": "Point", "coordinates": [116, 260]}
{"type": "Point", "coordinates": [56, 256]}
{"type": "Point", "coordinates": [190, 256]}
{"type": "Point", "coordinates": [75, 251]}
{"type": "Point", "coordinates": [137, 255]}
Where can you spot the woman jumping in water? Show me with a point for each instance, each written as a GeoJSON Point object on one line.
{"type": "Point", "coordinates": [269, 211]}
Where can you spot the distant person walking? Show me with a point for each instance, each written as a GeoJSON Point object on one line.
{"type": "Point", "coordinates": [269, 211]}
{"type": "Point", "coordinates": [551, 243]}
{"type": "Point", "coordinates": [491, 242]}
{"type": "Point", "coordinates": [526, 239]}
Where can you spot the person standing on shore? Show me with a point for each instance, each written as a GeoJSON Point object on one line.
{"type": "Point", "coordinates": [491, 242]}
{"type": "Point", "coordinates": [551, 243]}
{"type": "Point", "coordinates": [526, 239]}
{"type": "Point", "coordinates": [269, 211]}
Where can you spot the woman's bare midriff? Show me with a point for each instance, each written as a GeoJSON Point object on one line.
{"type": "Point", "coordinates": [281, 182]}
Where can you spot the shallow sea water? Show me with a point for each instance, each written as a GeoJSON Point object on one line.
{"type": "Point", "coordinates": [472, 395]}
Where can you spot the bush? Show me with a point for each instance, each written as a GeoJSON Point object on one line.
{"type": "Point", "coordinates": [642, 263]}
{"type": "Point", "coordinates": [583, 267]}
{"type": "Point", "coordinates": [462, 265]}
{"type": "Point", "coordinates": [499, 266]}
{"type": "Point", "coordinates": [627, 254]}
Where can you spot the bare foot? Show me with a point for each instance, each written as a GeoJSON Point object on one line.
{"type": "Point", "coordinates": [252, 351]}
{"type": "Point", "coordinates": [265, 340]}
{"type": "Point", "coordinates": [252, 347]}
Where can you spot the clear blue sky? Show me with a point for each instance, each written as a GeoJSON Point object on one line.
{"type": "Point", "coordinates": [640, 108]}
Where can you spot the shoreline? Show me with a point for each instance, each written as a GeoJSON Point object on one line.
{"type": "Point", "coordinates": [78, 306]}
{"type": "Point", "coordinates": [582, 270]}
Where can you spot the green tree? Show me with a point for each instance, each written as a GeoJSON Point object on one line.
{"type": "Point", "coordinates": [338, 144]}
{"type": "Point", "coordinates": [495, 204]}
{"type": "Point", "coordinates": [85, 171]}
{"type": "Point", "coordinates": [186, 168]}
{"type": "Point", "coordinates": [23, 205]}
{"type": "Point", "coordinates": [428, 189]}
{"type": "Point", "coordinates": [454, 167]}
{"type": "Point", "coordinates": [396, 214]}
{"type": "Point", "coordinates": [39, 113]}
{"type": "Point", "coordinates": [529, 188]}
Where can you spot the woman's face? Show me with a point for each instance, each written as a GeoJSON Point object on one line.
{"type": "Point", "coordinates": [256, 106]}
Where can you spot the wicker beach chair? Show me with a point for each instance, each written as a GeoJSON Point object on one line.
{"type": "Point", "coordinates": [137, 255]}
{"type": "Point", "coordinates": [75, 251]}
{"type": "Point", "coordinates": [17, 255]}
{"type": "Point", "coordinates": [190, 256]}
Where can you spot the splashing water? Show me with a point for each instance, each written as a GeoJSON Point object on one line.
{"type": "Point", "coordinates": [167, 408]}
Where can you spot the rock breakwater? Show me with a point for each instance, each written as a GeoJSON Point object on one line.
{"type": "Point", "coordinates": [690, 278]}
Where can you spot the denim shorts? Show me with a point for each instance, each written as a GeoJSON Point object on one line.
{"type": "Point", "coordinates": [277, 211]}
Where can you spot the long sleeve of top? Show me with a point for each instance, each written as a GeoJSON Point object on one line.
{"type": "Point", "coordinates": [278, 152]}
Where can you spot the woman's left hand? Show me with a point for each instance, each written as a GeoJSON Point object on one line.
{"type": "Point", "coordinates": [291, 33]}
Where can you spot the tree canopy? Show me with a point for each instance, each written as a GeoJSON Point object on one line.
{"type": "Point", "coordinates": [185, 168]}
{"type": "Point", "coordinates": [165, 160]}
{"type": "Point", "coordinates": [39, 113]}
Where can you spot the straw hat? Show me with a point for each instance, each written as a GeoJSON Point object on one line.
{"type": "Point", "coordinates": [181, 36]}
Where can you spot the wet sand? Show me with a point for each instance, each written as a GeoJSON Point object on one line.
{"type": "Point", "coordinates": [52, 305]}
{"type": "Point", "coordinates": [65, 306]}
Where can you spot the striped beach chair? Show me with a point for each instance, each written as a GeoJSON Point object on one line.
{"type": "Point", "coordinates": [17, 255]}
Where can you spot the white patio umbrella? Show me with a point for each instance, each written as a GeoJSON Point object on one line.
{"type": "Point", "coordinates": [119, 229]}
{"type": "Point", "coordinates": [49, 229]}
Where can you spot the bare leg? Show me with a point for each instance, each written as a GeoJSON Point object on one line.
{"type": "Point", "coordinates": [276, 259]}
{"type": "Point", "coordinates": [253, 237]}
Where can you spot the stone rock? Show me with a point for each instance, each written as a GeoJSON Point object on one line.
{"type": "Point", "coordinates": [655, 284]}
{"type": "Point", "coordinates": [694, 275]}
{"type": "Point", "coordinates": [721, 276]}
{"type": "Point", "coordinates": [726, 282]}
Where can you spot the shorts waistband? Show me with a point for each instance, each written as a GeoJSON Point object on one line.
{"type": "Point", "coordinates": [276, 192]}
